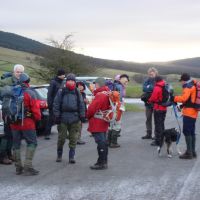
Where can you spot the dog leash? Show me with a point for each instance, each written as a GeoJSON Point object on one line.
{"type": "Point", "coordinates": [174, 106]}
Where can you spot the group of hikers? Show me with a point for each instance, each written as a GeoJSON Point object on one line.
{"type": "Point", "coordinates": [67, 104]}
{"type": "Point", "coordinates": [69, 108]}
{"type": "Point", "coordinates": [154, 88]}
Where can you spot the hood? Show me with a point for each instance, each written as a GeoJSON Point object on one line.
{"type": "Point", "coordinates": [101, 89]}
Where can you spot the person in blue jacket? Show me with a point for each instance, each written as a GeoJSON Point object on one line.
{"type": "Point", "coordinates": [148, 86]}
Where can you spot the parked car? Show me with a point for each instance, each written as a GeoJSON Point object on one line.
{"type": "Point", "coordinates": [1, 123]}
{"type": "Point", "coordinates": [41, 95]}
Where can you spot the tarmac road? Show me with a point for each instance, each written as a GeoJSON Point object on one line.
{"type": "Point", "coordinates": [135, 171]}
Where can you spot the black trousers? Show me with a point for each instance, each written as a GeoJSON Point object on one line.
{"type": "Point", "coordinates": [159, 121]}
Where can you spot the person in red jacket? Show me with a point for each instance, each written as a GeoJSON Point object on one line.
{"type": "Point", "coordinates": [159, 110]}
{"type": "Point", "coordinates": [26, 130]}
{"type": "Point", "coordinates": [99, 127]}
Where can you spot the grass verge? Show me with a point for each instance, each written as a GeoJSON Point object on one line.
{"type": "Point", "coordinates": [134, 107]}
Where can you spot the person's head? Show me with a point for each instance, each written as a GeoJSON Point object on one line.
{"type": "Point", "coordinates": [184, 78]}
{"type": "Point", "coordinates": [117, 77]}
{"type": "Point", "coordinates": [100, 82]}
{"type": "Point", "coordinates": [152, 72]}
{"type": "Point", "coordinates": [158, 78]}
{"type": "Point", "coordinates": [18, 70]}
{"type": "Point", "coordinates": [81, 86]}
{"type": "Point", "coordinates": [124, 79]}
{"type": "Point", "coordinates": [71, 81]}
{"type": "Point", "coordinates": [61, 74]}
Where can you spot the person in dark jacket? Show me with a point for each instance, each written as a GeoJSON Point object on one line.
{"type": "Point", "coordinates": [54, 86]}
{"type": "Point", "coordinates": [81, 86]}
{"type": "Point", "coordinates": [158, 110]}
{"type": "Point", "coordinates": [26, 130]}
{"type": "Point", "coordinates": [148, 86]}
{"type": "Point", "coordinates": [69, 112]}
{"type": "Point", "coordinates": [99, 127]}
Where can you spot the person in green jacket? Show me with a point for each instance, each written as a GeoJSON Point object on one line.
{"type": "Point", "coordinates": [6, 141]}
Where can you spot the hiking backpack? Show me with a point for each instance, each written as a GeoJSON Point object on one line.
{"type": "Point", "coordinates": [112, 113]}
{"type": "Point", "coordinates": [13, 103]}
{"type": "Point", "coordinates": [167, 91]}
{"type": "Point", "coordinates": [197, 101]}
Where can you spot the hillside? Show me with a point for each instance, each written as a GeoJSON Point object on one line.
{"type": "Point", "coordinates": [20, 43]}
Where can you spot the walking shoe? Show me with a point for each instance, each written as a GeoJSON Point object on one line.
{"type": "Point", "coordinates": [30, 172]}
{"type": "Point", "coordinates": [6, 161]}
{"type": "Point", "coordinates": [59, 159]}
{"type": "Point", "coordinates": [146, 137]}
{"type": "Point", "coordinates": [99, 166]}
{"type": "Point", "coordinates": [80, 142]}
{"type": "Point", "coordinates": [72, 161]}
{"type": "Point", "coordinates": [186, 155]}
{"type": "Point", "coordinates": [194, 154]}
{"type": "Point", "coordinates": [154, 143]}
{"type": "Point", "coordinates": [19, 170]}
{"type": "Point", "coordinates": [47, 137]}
{"type": "Point", "coordinates": [114, 145]}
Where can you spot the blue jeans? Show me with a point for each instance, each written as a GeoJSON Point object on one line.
{"type": "Point", "coordinates": [102, 147]}
{"type": "Point", "coordinates": [188, 125]}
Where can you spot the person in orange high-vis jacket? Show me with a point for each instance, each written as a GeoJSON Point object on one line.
{"type": "Point", "coordinates": [189, 114]}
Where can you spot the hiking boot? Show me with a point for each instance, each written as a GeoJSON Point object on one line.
{"type": "Point", "coordinates": [194, 154]}
{"type": "Point", "coordinates": [186, 155]}
{"type": "Point", "coordinates": [154, 143]}
{"type": "Point", "coordinates": [59, 159]}
{"type": "Point", "coordinates": [19, 170]}
{"type": "Point", "coordinates": [30, 172]}
{"type": "Point", "coordinates": [6, 161]}
{"type": "Point", "coordinates": [80, 142]}
{"type": "Point", "coordinates": [71, 156]}
{"type": "Point", "coordinates": [99, 166]}
{"type": "Point", "coordinates": [114, 145]}
{"type": "Point", "coordinates": [47, 137]}
{"type": "Point", "coordinates": [146, 137]}
{"type": "Point", "coordinates": [72, 161]}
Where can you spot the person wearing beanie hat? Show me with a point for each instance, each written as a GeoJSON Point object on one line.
{"type": "Point", "coordinates": [53, 88]}
{"type": "Point", "coordinates": [190, 114]}
{"type": "Point", "coordinates": [60, 72]}
{"type": "Point", "coordinates": [69, 112]}
{"type": "Point", "coordinates": [159, 110]}
{"type": "Point", "coordinates": [99, 127]}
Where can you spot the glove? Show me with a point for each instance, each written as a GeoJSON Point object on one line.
{"type": "Point", "coordinates": [172, 98]}
{"type": "Point", "coordinates": [57, 120]}
{"type": "Point", "coordinates": [83, 119]}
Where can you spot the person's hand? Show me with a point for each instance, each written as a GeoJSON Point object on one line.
{"type": "Point", "coordinates": [172, 98]}
{"type": "Point", "coordinates": [83, 119]}
{"type": "Point", "coordinates": [57, 120]}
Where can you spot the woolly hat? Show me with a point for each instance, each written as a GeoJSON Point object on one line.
{"type": "Point", "coordinates": [60, 72]}
{"type": "Point", "coordinates": [185, 77]}
{"type": "Point", "coordinates": [71, 77]}
{"type": "Point", "coordinates": [101, 81]}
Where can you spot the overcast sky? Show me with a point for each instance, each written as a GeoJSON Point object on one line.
{"type": "Point", "coordinates": [133, 30]}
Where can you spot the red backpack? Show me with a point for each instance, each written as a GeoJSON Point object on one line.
{"type": "Point", "coordinates": [197, 101]}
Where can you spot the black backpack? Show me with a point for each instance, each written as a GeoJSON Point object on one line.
{"type": "Point", "coordinates": [166, 94]}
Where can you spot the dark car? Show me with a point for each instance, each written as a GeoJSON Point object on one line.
{"type": "Point", "coordinates": [41, 95]}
